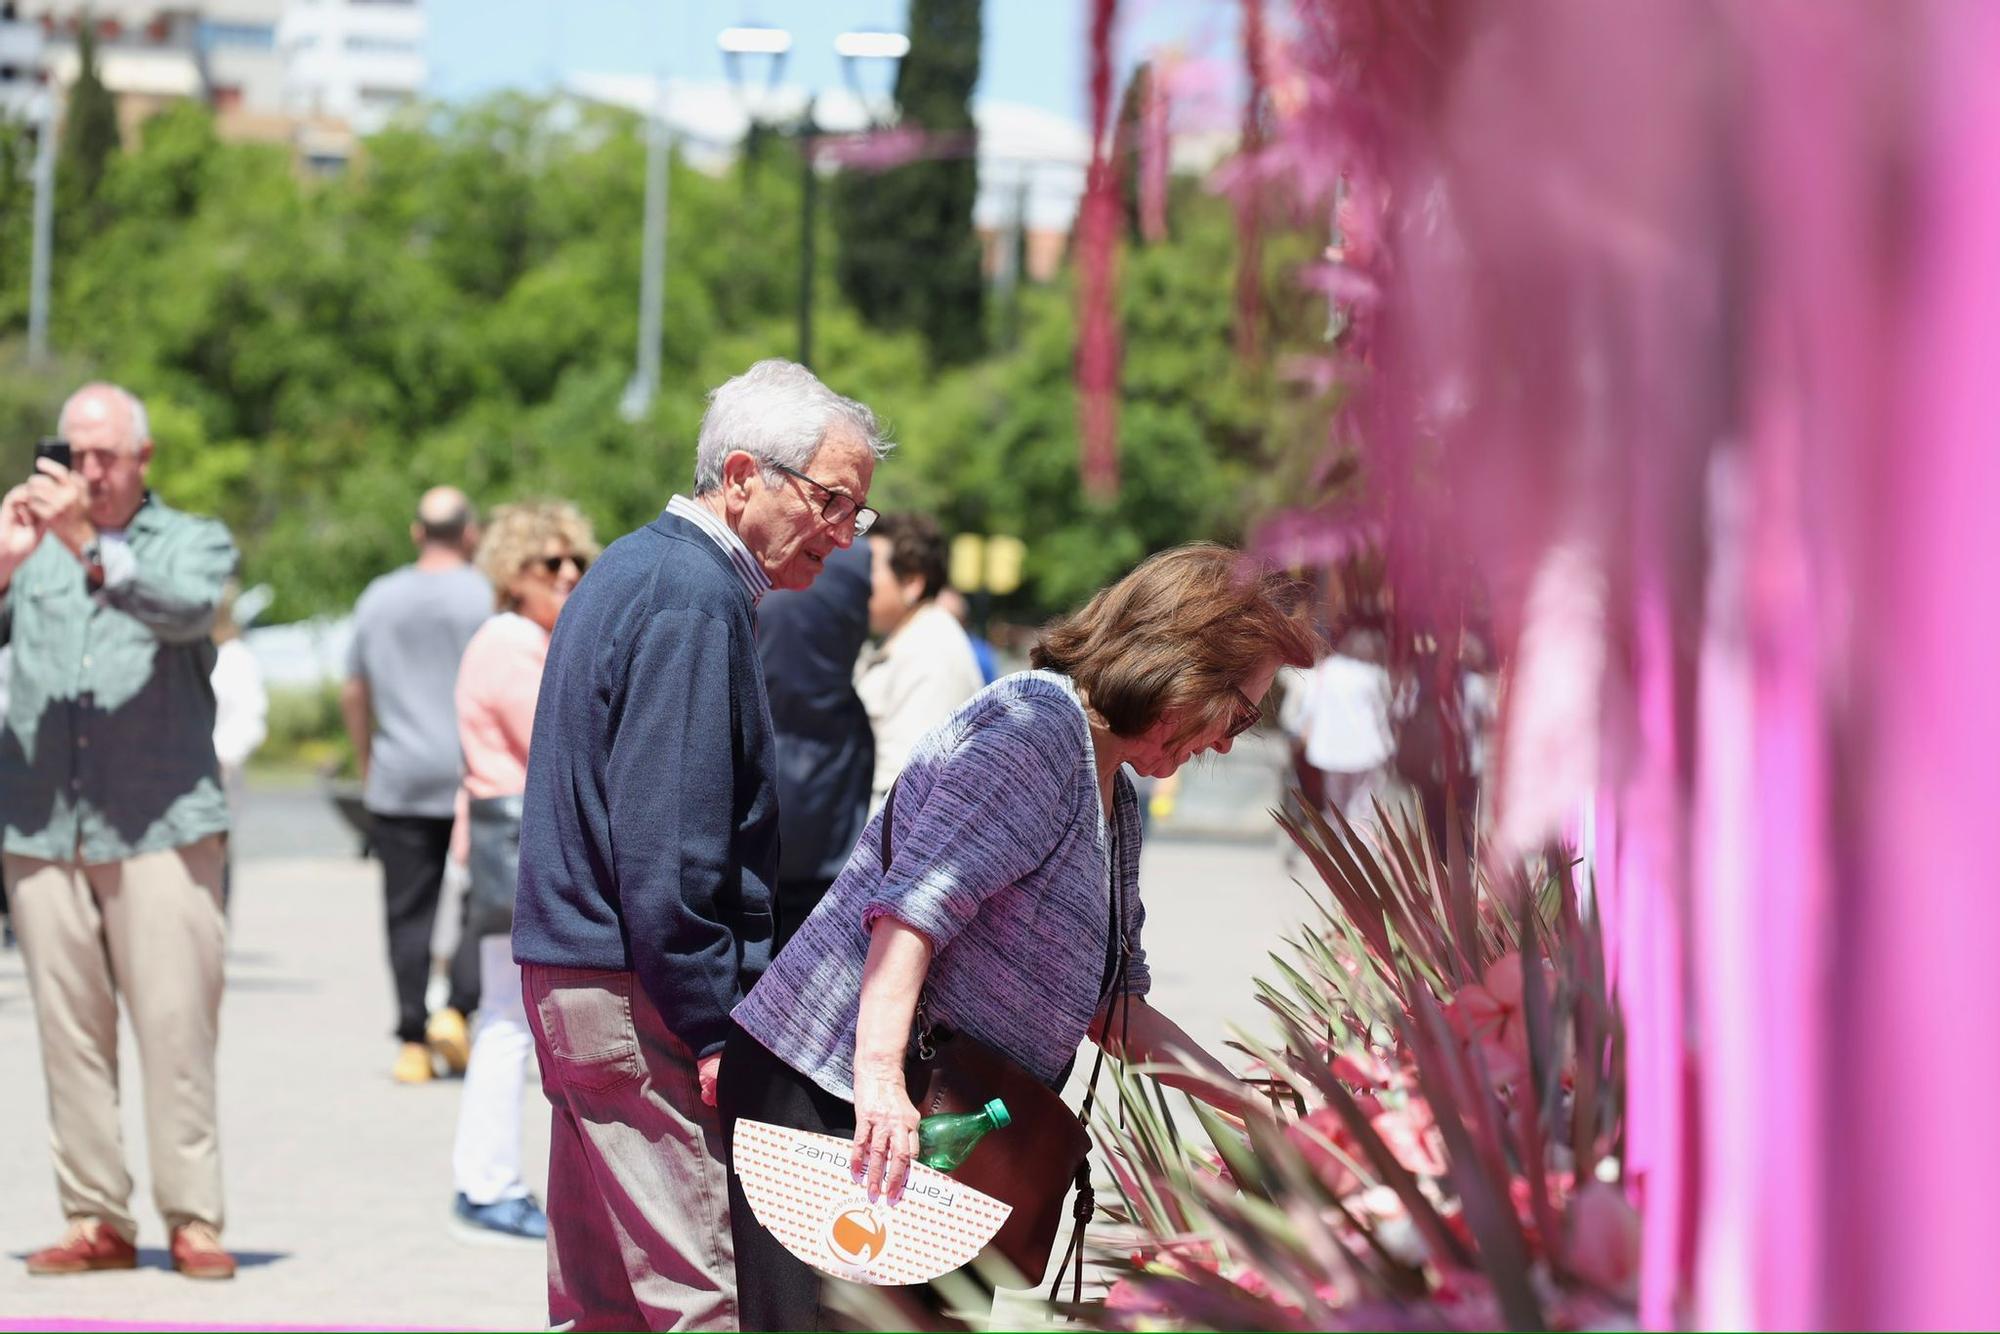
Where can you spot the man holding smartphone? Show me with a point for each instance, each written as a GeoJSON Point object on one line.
{"type": "Point", "coordinates": [114, 820]}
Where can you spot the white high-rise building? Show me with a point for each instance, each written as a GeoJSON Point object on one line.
{"type": "Point", "coordinates": [20, 65]}
{"type": "Point", "coordinates": [355, 60]}
{"type": "Point", "coordinates": [224, 52]}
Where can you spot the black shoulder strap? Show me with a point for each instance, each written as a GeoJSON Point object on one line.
{"type": "Point", "coordinates": [1117, 1005]}
{"type": "Point", "coordinates": [888, 818]}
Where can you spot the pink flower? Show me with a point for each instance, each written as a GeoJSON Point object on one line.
{"type": "Point", "coordinates": [1504, 1064]}
{"type": "Point", "coordinates": [1462, 1286]}
{"type": "Point", "coordinates": [1522, 1197]}
{"type": "Point", "coordinates": [1361, 1070]}
{"type": "Point", "coordinates": [1603, 1236]}
{"type": "Point", "coordinates": [1131, 1299]}
{"type": "Point", "coordinates": [1312, 1135]}
{"type": "Point", "coordinates": [1503, 980]}
{"type": "Point", "coordinates": [1475, 1012]}
{"type": "Point", "coordinates": [1412, 1137]}
{"type": "Point", "coordinates": [1493, 1013]}
{"type": "Point", "coordinates": [1186, 1255]}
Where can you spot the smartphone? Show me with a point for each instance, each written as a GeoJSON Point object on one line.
{"type": "Point", "coordinates": [49, 447]}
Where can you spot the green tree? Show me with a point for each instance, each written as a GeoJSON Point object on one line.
{"type": "Point", "coordinates": [909, 257]}
{"type": "Point", "coordinates": [30, 398]}
{"type": "Point", "coordinates": [996, 448]}
{"type": "Point", "coordinates": [89, 138]}
{"type": "Point", "coordinates": [1129, 142]}
{"type": "Point", "coordinates": [17, 203]}
{"type": "Point", "coordinates": [461, 307]}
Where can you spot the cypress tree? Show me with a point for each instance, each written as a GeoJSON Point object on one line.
{"type": "Point", "coordinates": [89, 133]}
{"type": "Point", "coordinates": [909, 257]}
{"type": "Point", "coordinates": [1129, 144]}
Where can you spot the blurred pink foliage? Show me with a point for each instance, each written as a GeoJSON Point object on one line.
{"type": "Point", "coordinates": [1250, 191]}
{"type": "Point", "coordinates": [895, 146]}
{"type": "Point", "coordinates": [1156, 147]}
{"type": "Point", "coordinates": [1676, 322]}
{"type": "Point", "coordinates": [1097, 227]}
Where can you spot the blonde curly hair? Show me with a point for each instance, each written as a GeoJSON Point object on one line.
{"type": "Point", "coordinates": [517, 535]}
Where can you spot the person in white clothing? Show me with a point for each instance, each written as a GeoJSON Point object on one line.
{"type": "Point", "coordinates": [533, 555]}
{"type": "Point", "coordinates": [241, 708]}
{"type": "Point", "coordinates": [1345, 723]}
{"type": "Point", "coordinates": [924, 667]}
{"type": "Point", "coordinates": [241, 704]}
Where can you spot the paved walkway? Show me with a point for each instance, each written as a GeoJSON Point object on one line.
{"type": "Point", "coordinates": [338, 1180]}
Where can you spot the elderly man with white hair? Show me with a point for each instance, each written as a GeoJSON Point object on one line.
{"type": "Point", "coordinates": [114, 825]}
{"type": "Point", "coordinates": [649, 846]}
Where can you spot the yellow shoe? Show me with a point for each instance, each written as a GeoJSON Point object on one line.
{"type": "Point", "coordinates": [413, 1064]}
{"type": "Point", "coordinates": [448, 1038]}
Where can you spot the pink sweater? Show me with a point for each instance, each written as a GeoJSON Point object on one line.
{"type": "Point", "coordinates": [498, 679]}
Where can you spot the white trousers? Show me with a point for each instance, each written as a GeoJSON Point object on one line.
{"type": "Point", "coordinates": [486, 1156]}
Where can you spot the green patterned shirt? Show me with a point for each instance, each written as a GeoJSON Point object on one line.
{"type": "Point", "coordinates": [108, 749]}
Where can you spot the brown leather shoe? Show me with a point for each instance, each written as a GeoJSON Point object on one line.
{"type": "Point", "coordinates": [89, 1244]}
{"type": "Point", "coordinates": [198, 1252]}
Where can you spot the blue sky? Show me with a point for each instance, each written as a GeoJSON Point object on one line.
{"type": "Point", "coordinates": [1034, 50]}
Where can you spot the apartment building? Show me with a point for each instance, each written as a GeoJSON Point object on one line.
{"type": "Point", "coordinates": [313, 74]}
{"type": "Point", "coordinates": [358, 61]}
{"type": "Point", "coordinates": [20, 65]}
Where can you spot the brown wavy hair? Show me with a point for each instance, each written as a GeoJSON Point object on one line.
{"type": "Point", "coordinates": [1177, 633]}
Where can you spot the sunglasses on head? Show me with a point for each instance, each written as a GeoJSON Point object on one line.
{"type": "Point", "coordinates": [554, 564]}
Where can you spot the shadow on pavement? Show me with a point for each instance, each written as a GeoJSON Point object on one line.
{"type": "Point", "coordinates": [236, 983]}
{"type": "Point", "coordinates": [157, 1257]}
{"type": "Point", "coordinates": [154, 1257]}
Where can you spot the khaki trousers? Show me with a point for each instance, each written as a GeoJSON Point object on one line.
{"type": "Point", "coordinates": [638, 1191]}
{"type": "Point", "coordinates": [149, 927]}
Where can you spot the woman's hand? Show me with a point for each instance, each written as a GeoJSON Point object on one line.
{"type": "Point", "coordinates": [885, 1124]}
{"type": "Point", "coordinates": [885, 1130]}
{"type": "Point", "coordinates": [1138, 1033]}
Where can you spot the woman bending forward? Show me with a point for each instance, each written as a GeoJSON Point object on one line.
{"type": "Point", "coordinates": [1012, 823]}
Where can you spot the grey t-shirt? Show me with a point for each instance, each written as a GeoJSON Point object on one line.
{"type": "Point", "coordinates": [410, 629]}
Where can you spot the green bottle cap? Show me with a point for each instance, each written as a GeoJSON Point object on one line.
{"type": "Point", "coordinates": [998, 1111]}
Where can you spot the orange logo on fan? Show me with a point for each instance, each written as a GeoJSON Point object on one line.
{"type": "Point", "coordinates": [857, 1236]}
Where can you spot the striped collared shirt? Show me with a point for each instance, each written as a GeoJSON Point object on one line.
{"type": "Point", "coordinates": [755, 582]}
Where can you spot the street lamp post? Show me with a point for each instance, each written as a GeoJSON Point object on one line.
{"type": "Point", "coordinates": [808, 222]}
{"type": "Point", "coordinates": [26, 96]}
{"type": "Point", "coordinates": [645, 384]}
{"type": "Point", "coordinates": [44, 226]}
{"type": "Point", "coordinates": [775, 43]}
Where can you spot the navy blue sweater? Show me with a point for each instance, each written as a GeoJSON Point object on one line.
{"type": "Point", "coordinates": [808, 641]}
{"type": "Point", "coordinates": [649, 828]}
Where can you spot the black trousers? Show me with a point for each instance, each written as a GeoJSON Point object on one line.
{"type": "Point", "coordinates": [793, 901]}
{"type": "Point", "coordinates": [774, 1288]}
{"type": "Point", "coordinates": [413, 850]}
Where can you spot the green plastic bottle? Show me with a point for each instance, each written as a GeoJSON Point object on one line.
{"type": "Point", "coordinates": [945, 1140]}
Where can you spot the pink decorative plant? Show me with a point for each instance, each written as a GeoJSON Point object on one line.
{"type": "Point", "coordinates": [1443, 1137]}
